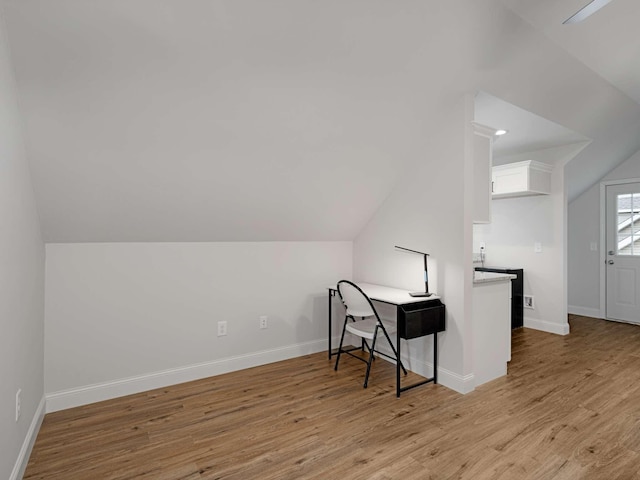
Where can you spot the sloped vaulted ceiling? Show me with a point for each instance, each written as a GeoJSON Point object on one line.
{"type": "Point", "coordinates": [213, 120]}
{"type": "Point", "coordinates": [609, 45]}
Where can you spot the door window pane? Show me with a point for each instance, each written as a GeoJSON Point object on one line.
{"type": "Point", "coordinates": [628, 229]}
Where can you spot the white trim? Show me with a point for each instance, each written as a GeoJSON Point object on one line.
{"type": "Point", "coordinates": [483, 130]}
{"type": "Point", "coordinates": [584, 311]}
{"type": "Point", "coordinates": [621, 181]}
{"type": "Point", "coordinates": [603, 249]}
{"type": "Point", "coordinates": [460, 383]}
{"type": "Point", "coordinates": [545, 326]}
{"type": "Point", "coordinates": [25, 452]}
{"type": "Point", "coordinates": [75, 397]}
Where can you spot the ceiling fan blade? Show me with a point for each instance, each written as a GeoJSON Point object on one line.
{"type": "Point", "coordinates": [586, 11]}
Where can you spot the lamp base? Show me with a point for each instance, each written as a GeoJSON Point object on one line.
{"type": "Point", "coordinates": [420, 294]}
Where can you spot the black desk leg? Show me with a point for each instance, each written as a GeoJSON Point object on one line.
{"type": "Point", "coordinates": [329, 350]}
{"type": "Point", "coordinates": [398, 363]}
{"type": "Point", "coordinates": [435, 358]}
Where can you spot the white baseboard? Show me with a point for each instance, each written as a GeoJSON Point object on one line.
{"type": "Point", "coordinates": [126, 386]}
{"type": "Point", "coordinates": [25, 451]}
{"type": "Point", "coordinates": [551, 327]}
{"type": "Point", "coordinates": [584, 311]}
{"type": "Point", "coordinates": [447, 378]}
{"type": "Point", "coordinates": [460, 383]}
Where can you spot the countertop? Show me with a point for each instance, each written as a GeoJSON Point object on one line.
{"type": "Point", "coordinates": [484, 277]}
{"type": "Point", "coordinates": [478, 265]}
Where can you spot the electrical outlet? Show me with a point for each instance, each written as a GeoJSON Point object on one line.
{"type": "Point", "coordinates": [18, 404]}
{"type": "Point", "coordinates": [263, 321]}
{"type": "Point", "coordinates": [529, 302]}
{"type": "Point", "coordinates": [537, 247]}
{"type": "Point", "coordinates": [222, 328]}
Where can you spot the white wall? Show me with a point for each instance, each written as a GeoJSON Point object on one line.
{"type": "Point", "coordinates": [124, 317]}
{"type": "Point", "coordinates": [21, 284]}
{"type": "Point", "coordinates": [426, 212]}
{"type": "Point", "coordinates": [584, 263]}
{"type": "Point", "coordinates": [584, 228]}
{"type": "Point", "coordinates": [517, 224]}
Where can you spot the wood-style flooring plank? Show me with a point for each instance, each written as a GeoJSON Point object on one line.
{"type": "Point", "coordinates": [569, 408]}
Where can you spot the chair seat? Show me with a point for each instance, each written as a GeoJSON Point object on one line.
{"type": "Point", "coordinates": [366, 328]}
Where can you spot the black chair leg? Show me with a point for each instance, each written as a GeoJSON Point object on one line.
{"type": "Point", "coordinates": [373, 346]}
{"type": "Point", "coordinates": [394, 351]}
{"type": "Point", "coordinates": [365, 345]}
{"type": "Point", "coordinates": [344, 329]}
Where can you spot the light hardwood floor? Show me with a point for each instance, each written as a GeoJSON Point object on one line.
{"type": "Point", "coordinates": [568, 409]}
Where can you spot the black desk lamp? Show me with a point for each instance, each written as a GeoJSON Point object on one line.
{"type": "Point", "coordinates": [426, 274]}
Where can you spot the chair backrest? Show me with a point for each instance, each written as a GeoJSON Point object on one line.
{"type": "Point", "coordinates": [355, 300]}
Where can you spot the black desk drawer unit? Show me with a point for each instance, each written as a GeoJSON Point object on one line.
{"type": "Point", "coordinates": [420, 319]}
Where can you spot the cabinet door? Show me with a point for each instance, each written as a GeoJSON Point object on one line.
{"type": "Point", "coordinates": [509, 181]}
{"type": "Point", "coordinates": [482, 183]}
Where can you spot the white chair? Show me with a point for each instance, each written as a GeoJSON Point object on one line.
{"type": "Point", "coordinates": [358, 305]}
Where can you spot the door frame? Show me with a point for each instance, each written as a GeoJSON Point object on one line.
{"type": "Point", "coordinates": [603, 239]}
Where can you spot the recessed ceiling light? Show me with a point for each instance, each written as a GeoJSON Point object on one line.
{"type": "Point", "coordinates": [586, 11]}
{"type": "Point", "coordinates": [502, 131]}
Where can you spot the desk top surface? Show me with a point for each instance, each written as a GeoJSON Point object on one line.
{"type": "Point", "coordinates": [394, 296]}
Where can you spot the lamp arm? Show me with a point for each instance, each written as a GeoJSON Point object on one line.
{"type": "Point", "coordinates": [426, 271]}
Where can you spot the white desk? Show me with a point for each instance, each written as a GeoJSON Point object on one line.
{"type": "Point", "coordinates": [416, 317]}
{"type": "Point", "coordinates": [392, 296]}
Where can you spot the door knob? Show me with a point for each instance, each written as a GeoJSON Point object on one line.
{"type": "Point", "coordinates": [610, 262]}
{"type": "Point", "coordinates": [611, 252]}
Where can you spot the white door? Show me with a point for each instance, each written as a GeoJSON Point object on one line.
{"type": "Point", "coordinates": [623, 252]}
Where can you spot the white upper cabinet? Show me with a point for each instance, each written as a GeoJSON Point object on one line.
{"type": "Point", "coordinates": [482, 156]}
{"type": "Point", "coordinates": [521, 179]}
